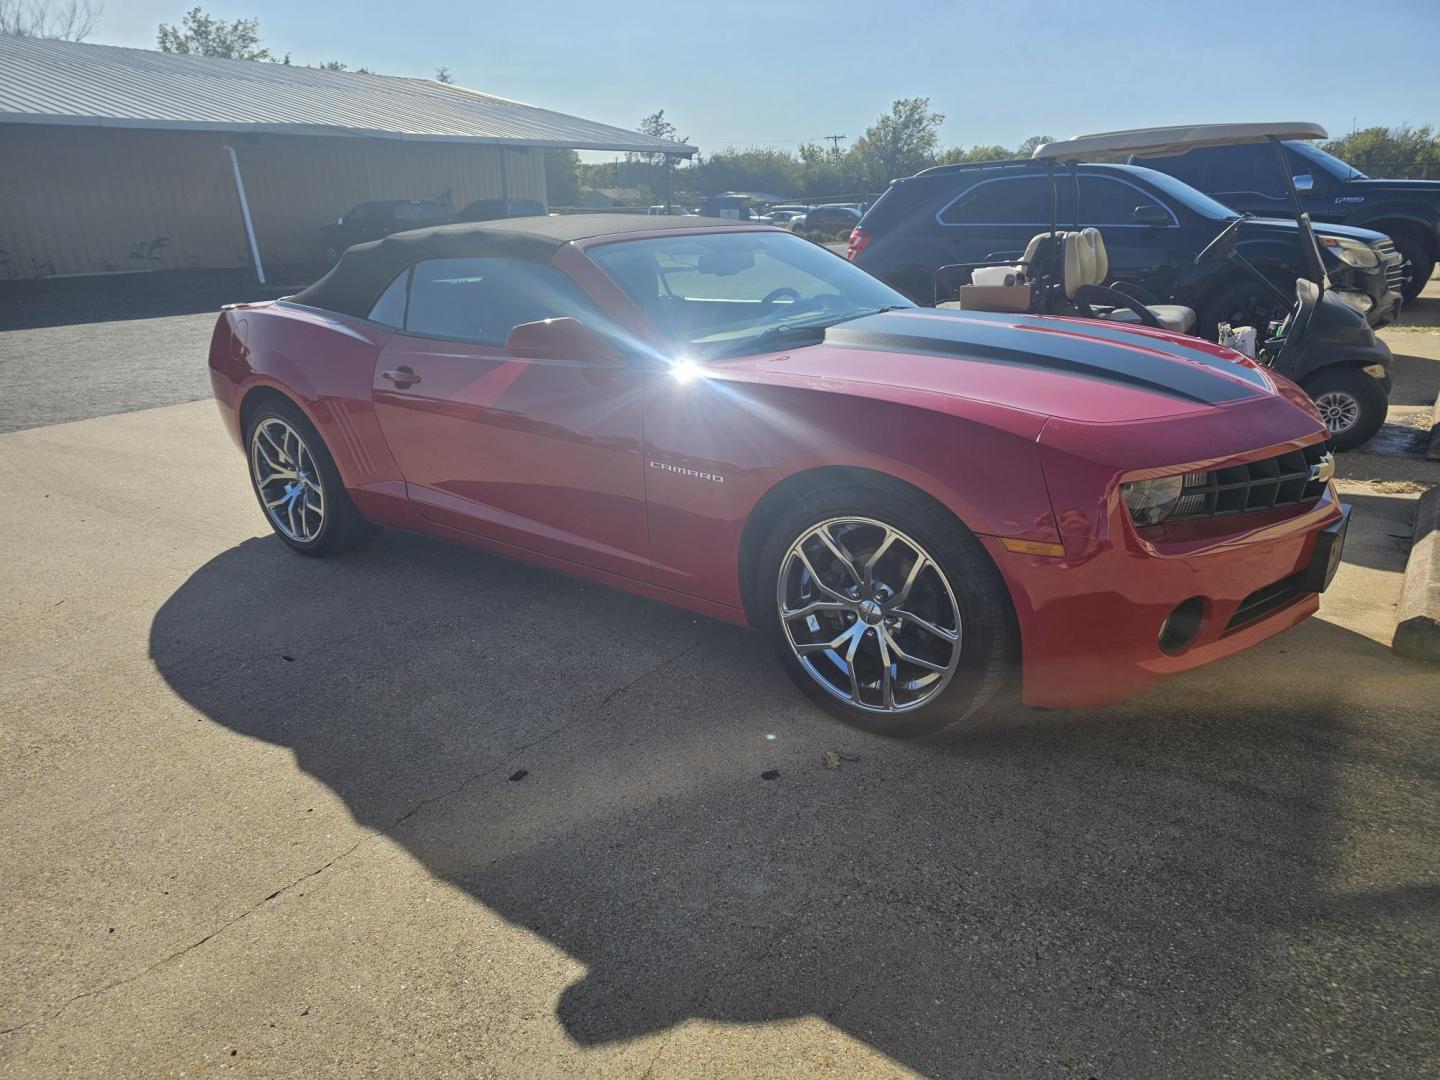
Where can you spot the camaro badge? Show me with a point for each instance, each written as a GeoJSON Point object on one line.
{"type": "Point", "coordinates": [1323, 469]}
{"type": "Point", "coordinates": [696, 473]}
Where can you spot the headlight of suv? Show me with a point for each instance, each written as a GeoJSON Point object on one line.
{"type": "Point", "coordinates": [1352, 252]}
{"type": "Point", "coordinates": [1152, 501]}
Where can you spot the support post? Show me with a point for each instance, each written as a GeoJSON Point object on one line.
{"type": "Point", "coordinates": [245, 213]}
{"type": "Point", "coordinates": [669, 161]}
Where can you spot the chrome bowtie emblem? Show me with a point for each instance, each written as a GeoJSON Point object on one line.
{"type": "Point", "coordinates": [1323, 469]}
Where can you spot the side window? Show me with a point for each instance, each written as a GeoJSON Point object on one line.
{"type": "Point", "coordinates": [418, 212]}
{"type": "Point", "coordinates": [1018, 200]}
{"type": "Point", "coordinates": [1243, 168]}
{"type": "Point", "coordinates": [389, 310]}
{"type": "Point", "coordinates": [481, 299]}
{"type": "Point", "coordinates": [359, 213]}
{"type": "Point", "coordinates": [1188, 167]}
{"type": "Point", "coordinates": [1106, 201]}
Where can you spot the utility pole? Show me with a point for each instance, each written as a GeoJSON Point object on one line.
{"type": "Point", "coordinates": [835, 141]}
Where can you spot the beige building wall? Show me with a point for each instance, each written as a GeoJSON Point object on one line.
{"type": "Point", "coordinates": [77, 200]}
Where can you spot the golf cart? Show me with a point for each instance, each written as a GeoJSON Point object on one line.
{"type": "Point", "coordinates": [1323, 343]}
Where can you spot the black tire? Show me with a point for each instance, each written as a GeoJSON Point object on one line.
{"type": "Point", "coordinates": [342, 527]}
{"type": "Point", "coordinates": [988, 635]}
{"type": "Point", "coordinates": [1241, 303]}
{"type": "Point", "coordinates": [1332, 385]}
{"type": "Point", "coordinates": [1422, 264]}
{"type": "Point", "coordinates": [332, 255]}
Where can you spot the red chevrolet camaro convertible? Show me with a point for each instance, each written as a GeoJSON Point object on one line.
{"type": "Point", "coordinates": [914, 505]}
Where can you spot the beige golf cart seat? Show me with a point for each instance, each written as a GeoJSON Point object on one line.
{"type": "Point", "coordinates": [1086, 264]}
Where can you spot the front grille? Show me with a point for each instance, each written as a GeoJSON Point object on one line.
{"type": "Point", "coordinates": [1283, 480]}
{"type": "Point", "coordinates": [1266, 601]}
{"type": "Point", "coordinates": [1394, 263]}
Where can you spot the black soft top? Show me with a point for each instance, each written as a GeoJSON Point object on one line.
{"type": "Point", "coordinates": [354, 283]}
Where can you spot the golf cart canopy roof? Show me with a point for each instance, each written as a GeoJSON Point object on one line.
{"type": "Point", "coordinates": [1154, 142]}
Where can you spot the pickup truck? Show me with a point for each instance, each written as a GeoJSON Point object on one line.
{"type": "Point", "coordinates": [1245, 178]}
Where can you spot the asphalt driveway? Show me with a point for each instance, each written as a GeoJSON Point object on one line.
{"type": "Point", "coordinates": [420, 811]}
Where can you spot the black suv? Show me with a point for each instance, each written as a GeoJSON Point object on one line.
{"type": "Point", "coordinates": [373, 220]}
{"type": "Point", "coordinates": [1245, 177]}
{"type": "Point", "coordinates": [1153, 226]}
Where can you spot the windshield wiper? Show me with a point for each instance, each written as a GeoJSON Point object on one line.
{"type": "Point", "coordinates": [809, 333]}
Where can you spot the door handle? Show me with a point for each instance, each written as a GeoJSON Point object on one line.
{"type": "Point", "coordinates": [402, 377]}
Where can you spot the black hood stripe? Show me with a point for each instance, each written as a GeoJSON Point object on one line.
{"type": "Point", "coordinates": [1081, 350]}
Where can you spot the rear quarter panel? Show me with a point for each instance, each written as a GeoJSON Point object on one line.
{"type": "Point", "coordinates": [325, 364]}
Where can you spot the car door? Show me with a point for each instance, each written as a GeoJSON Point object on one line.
{"type": "Point", "coordinates": [540, 454]}
{"type": "Point", "coordinates": [1141, 252]}
{"type": "Point", "coordinates": [1247, 178]}
{"type": "Point", "coordinates": [994, 217]}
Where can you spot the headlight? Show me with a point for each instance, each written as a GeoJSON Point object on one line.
{"type": "Point", "coordinates": [1352, 252]}
{"type": "Point", "coordinates": [1151, 501]}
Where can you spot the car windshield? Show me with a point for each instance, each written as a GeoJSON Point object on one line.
{"type": "Point", "coordinates": [1179, 191]}
{"type": "Point", "coordinates": [725, 294]}
{"type": "Point", "coordinates": [1328, 162]}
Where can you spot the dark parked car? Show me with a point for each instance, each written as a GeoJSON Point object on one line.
{"type": "Point", "coordinates": [1153, 226]}
{"type": "Point", "coordinates": [1246, 178]}
{"type": "Point", "coordinates": [373, 220]}
{"type": "Point", "coordinates": [831, 218]}
{"type": "Point", "coordinates": [495, 209]}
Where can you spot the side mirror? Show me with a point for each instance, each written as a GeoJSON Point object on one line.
{"type": "Point", "coordinates": [1150, 214]}
{"type": "Point", "coordinates": [561, 339]}
{"type": "Point", "coordinates": [1305, 182]}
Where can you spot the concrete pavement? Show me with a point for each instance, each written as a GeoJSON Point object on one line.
{"type": "Point", "coordinates": [419, 811]}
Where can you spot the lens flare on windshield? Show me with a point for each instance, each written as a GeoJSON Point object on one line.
{"type": "Point", "coordinates": [686, 371]}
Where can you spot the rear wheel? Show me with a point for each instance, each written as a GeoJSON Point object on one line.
{"type": "Point", "coordinates": [1422, 264]}
{"type": "Point", "coordinates": [884, 610]}
{"type": "Point", "coordinates": [1352, 404]}
{"type": "Point", "coordinates": [298, 486]}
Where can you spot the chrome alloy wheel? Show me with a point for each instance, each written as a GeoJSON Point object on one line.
{"type": "Point", "coordinates": [287, 479]}
{"type": "Point", "coordinates": [1338, 409]}
{"type": "Point", "coordinates": [869, 615]}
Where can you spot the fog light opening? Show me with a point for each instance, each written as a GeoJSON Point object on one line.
{"type": "Point", "coordinates": [1181, 626]}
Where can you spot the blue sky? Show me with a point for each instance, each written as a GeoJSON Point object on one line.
{"type": "Point", "coordinates": [747, 73]}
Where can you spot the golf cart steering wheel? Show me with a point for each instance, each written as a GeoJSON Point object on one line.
{"type": "Point", "coordinates": [775, 295]}
{"type": "Point", "coordinates": [1211, 249]}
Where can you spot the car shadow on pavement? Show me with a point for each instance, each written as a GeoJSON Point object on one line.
{"type": "Point", "coordinates": [1170, 888]}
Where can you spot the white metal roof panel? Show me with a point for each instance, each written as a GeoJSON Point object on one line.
{"type": "Point", "coordinates": [63, 82]}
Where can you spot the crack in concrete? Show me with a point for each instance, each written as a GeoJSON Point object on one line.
{"type": "Point", "coordinates": [386, 831]}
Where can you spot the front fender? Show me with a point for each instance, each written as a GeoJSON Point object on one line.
{"type": "Point", "coordinates": [716, 449]}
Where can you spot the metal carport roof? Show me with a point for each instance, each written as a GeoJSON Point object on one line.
{"type": "Point", "coordinates": [63, 82]}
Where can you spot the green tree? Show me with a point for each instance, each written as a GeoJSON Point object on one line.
{"type": "Point", "coordinates": [562, 177]}
{"type": "Point", "coordinates": [900, 143]}
{"type": "Point", "coordinates": [204, 35]}
{"type": "Point", "coordinates": [1027, 147]}
{"type": "Point", "coordinates": [442, 75]}
{"type": "Point", "coordinates": [958, 155]}
{"type": "Point", "coordinates": [1399, 152]}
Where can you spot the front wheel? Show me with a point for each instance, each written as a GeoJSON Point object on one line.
{"type": "Point", "coordinates": [884, 610]}
{"type": "Point", "coordinates": [1420, 268]}
{"type": "Point", "coordinates": [298, 486]}
{"type": "Point", "coordinates": [1352, 404]}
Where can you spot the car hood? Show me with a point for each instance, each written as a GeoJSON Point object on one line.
{"type": "Point", "coordinates": [1076, 369]}
{"type": "Point", "coordinates": [1289, 227]}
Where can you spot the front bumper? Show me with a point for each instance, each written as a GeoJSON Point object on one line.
{"type": "Point", "coordinates": [1090, 628]}
{"type": "Point", "coordinates": [1373, 291]}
